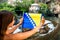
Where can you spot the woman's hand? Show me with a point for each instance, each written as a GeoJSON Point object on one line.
{"type": "Point", "coordinates": [21, 20]}
{"type": "Point", "coordinates": [14, 27]}
{"type": "Point", "coordinates": [41, 22]}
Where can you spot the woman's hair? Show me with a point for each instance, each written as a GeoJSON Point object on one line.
{"type": "Point", "coordinates": [6, 18]}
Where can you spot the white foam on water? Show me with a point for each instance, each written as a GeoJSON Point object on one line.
{"type": "Point", "coordinates": [50, 25]}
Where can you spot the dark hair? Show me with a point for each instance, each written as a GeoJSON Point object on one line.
{"type": "Point", "coordinates": [6, 18]}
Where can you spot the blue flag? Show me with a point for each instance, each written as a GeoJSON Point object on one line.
{"type": "Point", "coordinates": [31, 20]}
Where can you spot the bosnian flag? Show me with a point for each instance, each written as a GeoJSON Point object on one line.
{"type": "Point", "coordinates": [31, 20]}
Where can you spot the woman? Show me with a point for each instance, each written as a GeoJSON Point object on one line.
{"type": "Point", "coordinates": [7, 28]}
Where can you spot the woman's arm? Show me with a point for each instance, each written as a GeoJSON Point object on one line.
{"type": "Point", "coordinates": [12, 29]}
{"type": "Point", "coordinates": [24, 35]}
{"type": "Point", "coordinates": [27, 34]}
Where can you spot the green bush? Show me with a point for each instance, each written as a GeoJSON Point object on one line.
{"type": "Point", "coordinates": [43, 7]}
{"type": "Point", "coordinates": [6, 6]}
{"type": "Point", "coordinates": [24, 6]}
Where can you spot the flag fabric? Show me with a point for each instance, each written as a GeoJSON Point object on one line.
{"type": "Point", "coordinates": [31, 20]}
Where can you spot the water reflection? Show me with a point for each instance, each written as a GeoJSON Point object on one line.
{"type": "Point", "coordinates": [50, 36]}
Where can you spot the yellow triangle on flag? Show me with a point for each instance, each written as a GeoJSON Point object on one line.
{"type": "Point", "coordinates": [36, 18]}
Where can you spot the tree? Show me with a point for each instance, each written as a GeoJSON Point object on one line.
{"type": "Point", "coordinates": [24, 5]}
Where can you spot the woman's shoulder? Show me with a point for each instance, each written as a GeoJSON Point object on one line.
{"type": "Point", "coordinates": [8, 37]}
